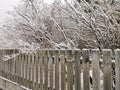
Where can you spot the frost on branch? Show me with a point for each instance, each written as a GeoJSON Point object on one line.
{"type": "Point", "coordinates": [64, 24]}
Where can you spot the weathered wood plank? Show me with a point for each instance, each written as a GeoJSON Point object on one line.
{"type": "Point", "coordinates": [33, 71]}
{"type": "Point", "coordinates": [96, 69]}
{"type": "Point", "coordinates": [30, 76]}
{"type": "Point", "coordinates": [86, 75]}
{"type": "Point", "coordinates": [117, 68]}
{"type": "Point", "coordinates": [56, 69]}
{"type": "Point", "coordinates": [15, 69]}
{"type": "Point", "coordinates": [77, 70]}
{"type": "Point", "coordinates": [13, 75]}
{"type": "Point", "coordinates": [19, 69]}
{"type": "Point", "coordinates": [63, 79]}
{"type": "Point", "coordinates": [69, 69]}
{"type": "Point", "coordinates": [36, 71]}
{"type": "Point", "coordinates": [51, 58]}
{"type": "Point", "coordinates": [46, 69]}
{"type": "Point", "coordinates": [41, 69]}
{"type": "Point", "coordinates": [25, 69]}
{"type": "Point", "coordinates": [1, 61]}
{"type": "Point", "coordinates": [107, 74]}
{"type": "Point", "coordinates": [22, 68]}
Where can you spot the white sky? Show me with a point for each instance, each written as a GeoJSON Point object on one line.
{"type": "Point", "coordinates": [6, 5]}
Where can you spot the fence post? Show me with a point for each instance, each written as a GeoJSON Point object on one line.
{"type": "Point", "coordinates": [107, 70]}
{"type": "Point", "coordinates": [117, 68]}
{"type": "Point", "coordinates": [96, 69]}
{"type": "Point", "coordinates": [86, 76]}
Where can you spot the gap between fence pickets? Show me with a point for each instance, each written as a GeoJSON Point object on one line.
{"type": "Point", "coordinates": [81, 57]}
{"type": "Point", "coordinates": [14, 83]}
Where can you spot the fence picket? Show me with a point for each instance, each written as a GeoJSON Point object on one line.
{"type": "Point", "coordinates": [1, 55]}
{"type": "Point", "coordinates": [22, 69]}
{"type": "Point", "coordinates": [17, 69]}
{"type": "Point", "coordinates": [77, 70]}
{"type": "Point", "coordinates": [60, 69]}
{"type": "Point", "coordinates": [69, 70]}
{"type": "Point", "coordinates": [56, 60]}
{"type": "Point", "coordinates": [41, 69]}
{"type": "Point", "coordinates": [63, 80]}
{"type": "Point", "coordinates": [25, 70]}
{"type": "Point", "coordinates": [117, 68]}
{"type": "Point", "coordinates": [86, 75]}
{"type": "Point", "coordinates": [29, 70]}
{"type": "Point", "coordinates": [51, 58]}
{"type": "Point", "coordinates": [96, 69]}
{"type": "Point", "coordinates": [33, 72]}
{"type": "Point", "coordinates": [107, 74]}
{"type": "Point", "coordinates": [36, 71]}
{"type": "Point", "coordinates": [46, 69]}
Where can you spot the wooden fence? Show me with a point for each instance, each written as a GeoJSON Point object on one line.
{"type": "Point", "coordinates": [61, 69]}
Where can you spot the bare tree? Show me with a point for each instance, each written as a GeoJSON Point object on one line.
{"type": "Point", "coordinates": [82, 24]}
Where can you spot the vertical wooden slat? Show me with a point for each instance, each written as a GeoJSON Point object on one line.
{"type": "Point", "coordinates": [56, 70]}
{"type": "Point", "coordinates": [9, 60]}
{"type": "Point", "coordinates": [96, 69]}
{"type": "Point", "coordinates": [11, 64]}
{"type": "Point", "coordinates": [117, 68]}
{"type": "Point", "coordinates": [107, 71]}
{"type": "Point", "coordinates": [0, 62]}
{"type": "Point", "coordinates": [46, 69]}
{"type": "Point", "coordinates": [19, 69]}
{"type": "Point", "coordinates": [25, 70]}
{"type": "Point", "coordinates": [3, 69]}
{"type": "Point", "coordinates": [86, 75]}
{"type": "Point", "coordinates": [41, 69]}
{"type": "Point", "coordinates": [22, 68]}
{"type": "Point", "coordinates": [77, 70]}
{"type": "Point", "coordinates": [7, 69]}
{"type": "Point", "coordinates": [29, 63]}
{"type": "Point", "coordinates": [4, 66]}
{"type": "Point", "coordinates": [33, 70]}
{"type": "Point", "coordinates": [62, 59]}
{"type": "Point", "coordinates": [15, 73]}
{"type": "Point", "coordinates": [51, 58]}
{"type": "Point", "coordinates": [38, 53]}
{"type": "Point", "coordinates": [36, 71]}
{"type": "Point", "coordinates": [13, 69]}
{"type": "Point", "coordinates": [70, 70]}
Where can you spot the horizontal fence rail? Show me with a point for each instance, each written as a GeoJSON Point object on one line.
{"type": "Point", "coordinates": [62, 69]}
